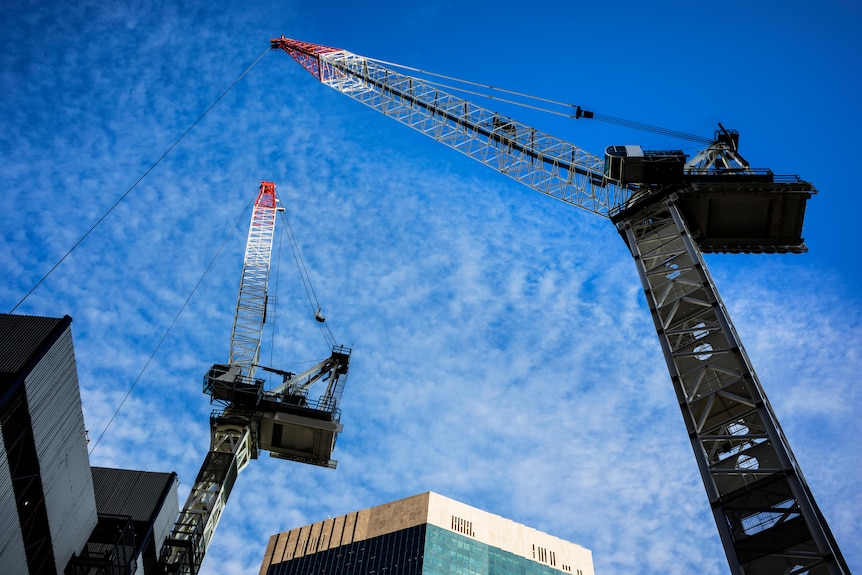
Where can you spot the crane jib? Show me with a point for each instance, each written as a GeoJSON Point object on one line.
{"type": "Point", "coordinates": [492, 134]}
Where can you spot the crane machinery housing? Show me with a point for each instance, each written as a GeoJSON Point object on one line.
{"type": "Point", "coordinates": [669, 210]}
{"type": "Point", "coordinates": [284, 420]}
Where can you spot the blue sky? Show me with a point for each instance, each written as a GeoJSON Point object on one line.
{"type": "Point", "coordinates": [503, 352]}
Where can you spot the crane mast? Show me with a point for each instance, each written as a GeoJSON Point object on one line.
{"type": "Point", "coordinates": [669, 211]}
{"type": "Point", "coordinates": [284, 421]}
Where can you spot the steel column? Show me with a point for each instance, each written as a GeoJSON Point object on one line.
{"type": "Point", "coordinates": [766, 517]}
{"type": "Point", "coordinates": [230, 451]}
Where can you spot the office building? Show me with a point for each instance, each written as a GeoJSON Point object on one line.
{"type": "Point", "coordinates": [426, 534]}
{"type": "Point", "coordinates": [45, 482]}
{"type": "Point", "coordinates": [57, 515]}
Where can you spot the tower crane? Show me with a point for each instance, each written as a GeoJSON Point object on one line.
{"type": "Point", "coordinates": [669, 210]}
{"type": "Point", "coordinates": [284, 420]}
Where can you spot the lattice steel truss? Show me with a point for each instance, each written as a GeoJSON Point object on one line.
{"type": "Point", "coordinates": [251, 302]}
{"type": "Point", "coordinates": [232, 447]}
{"type": "Point", "coordinates": [233, 433]}
{"type": "Point", "coordinates": [539, 160]}
{"type": "Point", "coordinates": [765, 513]}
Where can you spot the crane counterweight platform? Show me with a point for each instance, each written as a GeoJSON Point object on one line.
{"type": "Point", "coordinates": [669, 210]}
{"type": "Point", "coordinates": [285, 420]}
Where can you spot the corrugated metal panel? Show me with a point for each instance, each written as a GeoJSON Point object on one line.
{"type": "Point", "coordinates": [21, 336]}
{"type": "Point", "coordinates": [13, 561]}
{"type": "Point", "coordinates": [167, 516]}
{"type": "Point", "coordinates": [138, 494]}
{"type": "Point", "coordinates": [58, 431]}
{"type": "Point", "coordinates": [148, 498]}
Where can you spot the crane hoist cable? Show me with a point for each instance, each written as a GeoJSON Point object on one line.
{"type": "Point", "coordinates": [135, 184]}
{"type": "Point", "coordinates": [569, 110]}
{"type": "Point", "coordinates": [313, 301]}
{"type": "Point", "coordinates": [272, 315]}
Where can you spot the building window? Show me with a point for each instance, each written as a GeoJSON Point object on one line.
{"type": "Point", "coordinates": [462, 526]}
{"type": "Point", "coordinates": [545, 556]}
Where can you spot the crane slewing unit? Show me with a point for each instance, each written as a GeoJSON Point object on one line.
{"type": "Point", "coordinates": [669, 210]}
{"type": "Point", "coordinates": [286, 420]}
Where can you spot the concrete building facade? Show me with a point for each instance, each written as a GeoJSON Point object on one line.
{"type": "Point", "coordinates": [426, 534]}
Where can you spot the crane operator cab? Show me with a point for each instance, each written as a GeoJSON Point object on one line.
{"type": "Point", "coordinates": [632, 165]}
{"type": "Point", "coordinates": [289, 422]}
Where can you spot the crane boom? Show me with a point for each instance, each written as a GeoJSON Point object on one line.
{"type": "Point", "coordinates": [251, 303]}
{"type": "Point", "coordinates": [668, 212]}
{"type": "Point", "coordinates": [542, 161]}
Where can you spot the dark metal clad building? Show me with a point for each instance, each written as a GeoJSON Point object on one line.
{"type": "Point", "coordinates": [57, 515]}
{"type": "Point", "coordinates": [45, 481]}
{"type": "Point", "coordinates": [144, 501]}
{"type": "Point", "coordinates": [22, 339]}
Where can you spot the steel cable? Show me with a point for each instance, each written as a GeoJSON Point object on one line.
{"type": "Point", "coordinates": [575, 113]}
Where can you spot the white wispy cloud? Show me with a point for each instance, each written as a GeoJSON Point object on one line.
{"type": "Point", "coordinates": [503, 351]}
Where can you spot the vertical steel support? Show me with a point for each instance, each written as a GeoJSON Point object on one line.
{"type": "Point", "coordinates": [232, 447]}
{"type": "Point", "coordinates": [767, 518]}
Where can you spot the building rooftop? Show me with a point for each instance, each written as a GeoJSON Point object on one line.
{"type": "Point", "coordinates": [434, 516]}
{"type": "Point", "coordinates": [23, 340]}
